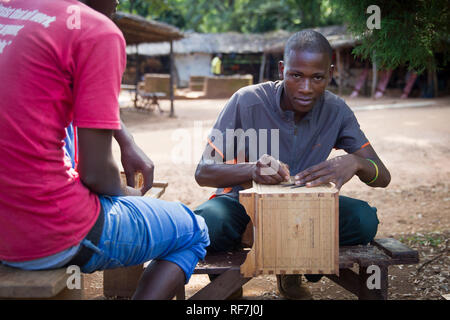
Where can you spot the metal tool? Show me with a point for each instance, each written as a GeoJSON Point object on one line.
{"type": "Point", "coordinates": [299, 186]}
{"type": "Point", "coordinates": [288, 185]}
{"type": "Point", "coordinates": [293, 185]}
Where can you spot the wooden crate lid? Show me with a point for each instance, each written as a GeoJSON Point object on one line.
{"type": "Point", "coordinates": [280, 189]}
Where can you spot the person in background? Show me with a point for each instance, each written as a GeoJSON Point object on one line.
{"type": "Point", "coordinates": [216, 65]}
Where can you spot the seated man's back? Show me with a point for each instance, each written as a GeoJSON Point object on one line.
{"type": "Point", "coordinates": [44, 65]}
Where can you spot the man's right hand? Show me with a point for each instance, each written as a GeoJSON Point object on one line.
{"type": "Point", "coordinates": [268, 170]}
{"type": "Point", "coordinates": [130, 191]}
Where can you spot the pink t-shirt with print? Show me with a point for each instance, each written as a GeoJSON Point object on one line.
{"type": "Point", "coordinates": [60, 62]}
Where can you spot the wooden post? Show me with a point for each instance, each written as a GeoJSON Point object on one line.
{"type": "Point", "coordinates": [435, 83]}
{"type": "Point", "coordinates": [172, 111]}
{"type": "Point", "coordinates": [222, 287]}
{"type": "Point", "coordinates": [138, 76]}
{"type": "Point", "coordinates": [432, 78]}
{"type": "Point", "coordinates": [262, 68]}
{"type": "Point", "coordinates": [374, 74]}
{"type": "Point", "coordinates": [341, 71]}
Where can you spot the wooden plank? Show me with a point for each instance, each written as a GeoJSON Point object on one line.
{"type": "Point", "coordinates": [155, 192]}
{"type": "Point", "coordinates": [17, 283]}
{"type": "Point", "coordinates": [222, 287]}
{"type": "Point", "coordinates": [158, 187]}
{"type": "Point", "coordinates": [217, 263]}
{"type": "Point", "coordinates": [395, 249]}
{"type": "Point", "coordinates": [336, 233]}
{"type": "Point", "coordinates": [248, 202]}
{"type": "Point", "coordinates": [366, 255]}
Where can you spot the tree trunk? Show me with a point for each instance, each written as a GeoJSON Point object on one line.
{"type": "Point", "coordinates": [340, 70]}
{"type": "Point", "coordinates": [132, 5]}
{"type": "Point", "coordinates": [172, 111]}
{"type": "Point", "coordinates": [374, 74]}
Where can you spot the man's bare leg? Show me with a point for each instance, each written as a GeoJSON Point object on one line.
{"type": "Point", "coordinates": [160, 281]}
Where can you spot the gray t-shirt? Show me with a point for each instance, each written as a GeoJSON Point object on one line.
{"type": "Point", "coordinates": [252, 123]}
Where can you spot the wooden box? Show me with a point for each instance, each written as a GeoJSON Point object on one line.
{"type": "Point", "coordinates": [155, 82]}
{"type": "Point", "coordinates": [295, 230]}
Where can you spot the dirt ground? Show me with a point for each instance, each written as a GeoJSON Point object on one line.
{"type": "Point", "coordinates": [413, 142]}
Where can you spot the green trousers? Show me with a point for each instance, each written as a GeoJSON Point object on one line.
{"type": "Point", "coordinates": [226, 220]}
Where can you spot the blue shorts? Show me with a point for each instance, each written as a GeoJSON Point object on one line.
{"type": "Point", "coordinates": [137, 230]}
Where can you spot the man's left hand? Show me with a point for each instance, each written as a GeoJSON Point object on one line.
{"type": "Point", "coordinates": [338, 170]}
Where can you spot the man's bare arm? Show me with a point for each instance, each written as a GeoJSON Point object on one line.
{"type": "Point", "coordinates": [366, 170]}
{"type": "Point", "coordinates": [266, 170]}
{"type": "Point", "coordinates": [223, 175]}
{"type": "Point", "coordinates": [96, 165]}
{"type": "Point", "coordinates": [134, 159]}
{"type": "Point", "coordinates": [341, 169]}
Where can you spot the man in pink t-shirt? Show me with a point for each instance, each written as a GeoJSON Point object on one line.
{"type": "Point", "coordinates": [61, 62]}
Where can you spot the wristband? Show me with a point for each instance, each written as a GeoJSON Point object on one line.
{"type": "Point", "coordinates": [376, 171]}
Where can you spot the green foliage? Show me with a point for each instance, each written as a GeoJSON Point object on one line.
{"type": "Point", "coordinates": [434, 239]}
{"type": "Point", "coordinates": [236, 15]}
{"type": "Point", "coordinates": [411, 31]}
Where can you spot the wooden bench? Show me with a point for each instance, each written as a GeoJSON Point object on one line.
{"type": "Point", "coordinates": [381, 253]}
{"type": "Point", "coordinates": [52, 284]}
{"type": "Point", "coordinates": [45, 284]}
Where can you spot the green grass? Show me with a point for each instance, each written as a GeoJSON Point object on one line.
{"type": "Point", "coordinates": [432, 239]}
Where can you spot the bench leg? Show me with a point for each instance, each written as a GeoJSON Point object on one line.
{"type": "Point", "coordinates": [221, 287]}
{"type": "Point", "coordinates": [347, 279]}
{"type": "Point", "coordinates": [357, 283]}
{"type": "Point", "coordinates": [156, 103]}
{"type": "Point", "coordinates": [74, 294]}
{"type": "Point", "coordinates": [121, 282]}
{"type": "Point", "coordinates": [373, 294]}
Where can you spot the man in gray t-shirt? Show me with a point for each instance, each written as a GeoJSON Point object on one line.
{"type": "Point", "coordinates": [294, 122]}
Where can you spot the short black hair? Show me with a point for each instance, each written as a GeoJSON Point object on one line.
{"type": "Point", "coordinates": [308, 40]}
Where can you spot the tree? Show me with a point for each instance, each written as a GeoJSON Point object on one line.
{"type": "Point", "coordinates": [410, 32]}
{"type": "Point", "coordinates": [236, 15]}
